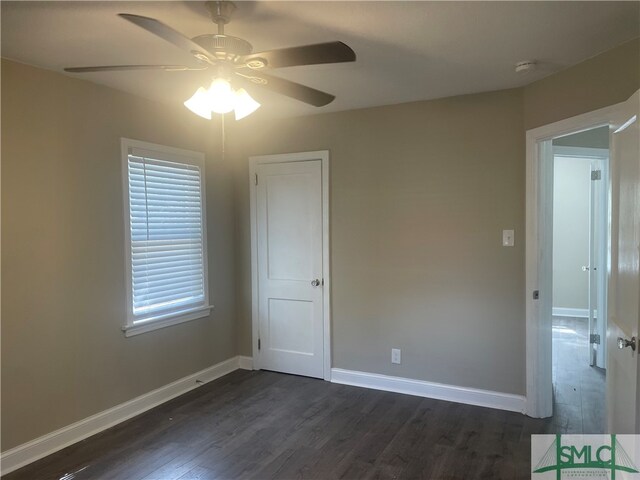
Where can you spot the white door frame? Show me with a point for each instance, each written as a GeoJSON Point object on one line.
{"type": "Point", "coordinates": [538, 261]}
{"type": "Point", "coordinates": [323, 156]}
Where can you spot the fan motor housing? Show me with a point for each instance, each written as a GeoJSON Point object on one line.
{"type": "Point", "coordinates": [225, 47]}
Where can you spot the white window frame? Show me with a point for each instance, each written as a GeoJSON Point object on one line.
{"type": "Point", "coordinates": [133, 325]}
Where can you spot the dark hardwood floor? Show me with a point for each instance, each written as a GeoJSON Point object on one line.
{"type": "Point", "coordinates": [579, 389]}
{"type": "Point", "coordinates": [264, 425]}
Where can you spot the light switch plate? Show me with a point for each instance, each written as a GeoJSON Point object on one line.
{"type": "Point", "coordinates": [396, 355]}
{"type": "Point", "coordinates": [508, 239]}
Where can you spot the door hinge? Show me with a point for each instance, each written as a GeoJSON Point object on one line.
{"type": "Point", "coordinates": [594, 338]}
{"type": "Point", "coordinates": [259, 345]}
{"type": "Point", "coordinates": [256, 179]}
{"type": "Point", "coordinates": [596, 175]}
{"type": "Point", "coordinates": [536, 294]}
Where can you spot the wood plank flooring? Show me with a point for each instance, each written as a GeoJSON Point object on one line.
{"type": "Point", "coordinates": [263, 425]}
{"type": "Point", "coordinates": [579, 389]}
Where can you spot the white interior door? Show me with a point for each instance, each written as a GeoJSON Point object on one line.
{"type": "Point", "coordinates": [624, 283]}
{"type": "Point", "coordinates": [598, 241]}
{"type": "Point", "coordinates": [290, 267]}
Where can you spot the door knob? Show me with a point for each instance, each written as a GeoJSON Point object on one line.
{"type": "Point", "coordinates": [623, 343]}
{"type": "Point", "coordinates": [315, 283]}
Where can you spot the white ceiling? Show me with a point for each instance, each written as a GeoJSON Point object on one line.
{"type": "Point", "coordinates": [406, 51]}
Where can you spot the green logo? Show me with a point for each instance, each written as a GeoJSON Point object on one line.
{"type": "Point", "coordinates": [609, 457]}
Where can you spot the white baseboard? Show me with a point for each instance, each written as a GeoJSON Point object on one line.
{"type": "Point", "coordinates": [570, 312]}
{"type": "Point", "coordinates": [52, 442]}
{"type": "Point", "coordinates": [245, 363]}
{"type": "Point", "coordinates": [439, 391]}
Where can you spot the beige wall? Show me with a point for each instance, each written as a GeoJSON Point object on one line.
{"type": "Point", "coordinates": [64, 356]}
{"type": "Point", "coordinates": [419, 196]}
{"type": "Point", "coordinates": [606, 79]}
{"type": "Point", "coordinates": [420, 193]}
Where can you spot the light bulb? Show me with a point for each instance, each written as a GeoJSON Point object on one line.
{"type": "Point", "coordinates": [199, 104]}
{"type": "Point", "coordinates": [245, 105]}
{"type": "Point", "coordinates": [221, 97]}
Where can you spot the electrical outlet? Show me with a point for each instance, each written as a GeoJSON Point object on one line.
{"type": "Point", "coordinates": [396, 355]}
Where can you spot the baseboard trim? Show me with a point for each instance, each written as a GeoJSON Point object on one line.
{"type": "Point", "coordinates": [29, 452]}
{"type": "Point", "coordinates": [245, 363]}
{"type": "Point", "coordinates": [570, 312]}
{"type": "Point", "coordinates": [439, 391]}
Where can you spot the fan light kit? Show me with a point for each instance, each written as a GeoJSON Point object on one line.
{"type": "Point", "coordinates": [221, 98]}
{"type": "Point", "coordinates": [232, 67]}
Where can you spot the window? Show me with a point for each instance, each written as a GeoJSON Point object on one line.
{"type": "Point", "coordinates": [165, 236]}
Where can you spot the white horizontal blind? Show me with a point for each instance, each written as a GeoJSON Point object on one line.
{"type": "Point", "coordinates": [167, 237]}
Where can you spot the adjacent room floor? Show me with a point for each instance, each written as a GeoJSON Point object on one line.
{"type": "Point", "coordinates": [579, 389]}
{"type": "Point", "coordinates": [267, 425]}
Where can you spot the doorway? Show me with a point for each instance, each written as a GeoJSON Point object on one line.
{"type": "Point", "coordinates": [579, 289]}
{"type": "Point", "coordinates": [621, 408]}
{"type": "Point", "coordinates": [290, 263]}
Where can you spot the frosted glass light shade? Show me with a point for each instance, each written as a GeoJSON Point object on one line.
{"type": "Point", "coordinates": [221, 97]}
{"type": "Point", "coordinates": [199, 103]}
{"type": "Point", "coordinates": [244, 104]}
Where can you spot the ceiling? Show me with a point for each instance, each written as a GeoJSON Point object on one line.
{"type": "Point", "coordinates": [406, 51]}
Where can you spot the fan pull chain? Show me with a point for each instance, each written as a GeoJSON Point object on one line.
{"type": "Point", "coordinates": [224, 139]}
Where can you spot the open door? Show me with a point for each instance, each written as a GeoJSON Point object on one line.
{"type": "Point", "coordinates": [623, 398]}
{"type": "Point", "coordinates": [598, 242]}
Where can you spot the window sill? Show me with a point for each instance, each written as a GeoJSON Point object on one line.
{"type": "Point", "coordinates": [174, 319]}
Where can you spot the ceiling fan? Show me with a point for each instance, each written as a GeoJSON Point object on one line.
{"type": "Point", "coordinates": [232, 63]}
